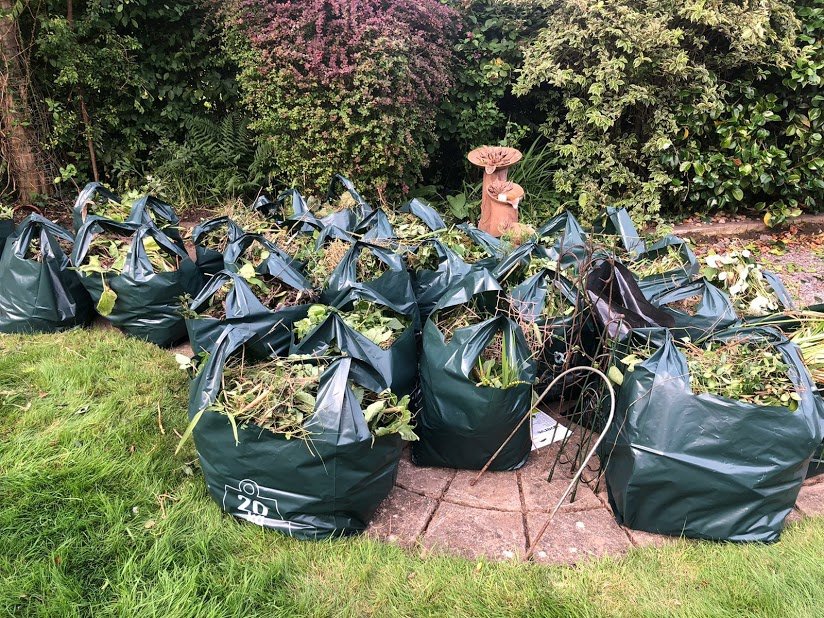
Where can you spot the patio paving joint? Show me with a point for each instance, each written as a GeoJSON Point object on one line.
{"type": "Point", "coordinates": [523, 509]}
{"type": "Point", "coordinates": [438, 501]}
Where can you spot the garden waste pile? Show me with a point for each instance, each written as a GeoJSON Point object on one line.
{"type": "Point", "coordinates": [328, 332]}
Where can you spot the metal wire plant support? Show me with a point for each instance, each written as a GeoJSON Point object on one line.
{"type": "Point", "coordinates": [577, 476]}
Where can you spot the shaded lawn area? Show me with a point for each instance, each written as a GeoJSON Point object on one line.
{"type": "Point", "coordinates": [98, 517]}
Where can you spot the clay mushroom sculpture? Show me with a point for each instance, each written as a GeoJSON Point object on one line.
{"type": "Point", "coordinates": [504, 197]}
{"type": "Point", "coordinates": [497, 214]}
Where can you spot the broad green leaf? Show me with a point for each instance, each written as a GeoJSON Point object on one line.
{"type": "Point", "coordinates": [105, 305]}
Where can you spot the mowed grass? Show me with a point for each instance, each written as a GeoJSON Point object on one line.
{"type": "Point", "coordinates": [98, 517]}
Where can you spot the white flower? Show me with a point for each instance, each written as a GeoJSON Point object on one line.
{"type": "Point", "coordinates": [760, 304]}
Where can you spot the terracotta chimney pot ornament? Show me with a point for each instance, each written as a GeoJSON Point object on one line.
{"type": "Point", "coordinates": [500, 198]}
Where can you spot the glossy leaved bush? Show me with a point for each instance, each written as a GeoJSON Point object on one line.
{"type": "Point", "coordinates": [667, 104]}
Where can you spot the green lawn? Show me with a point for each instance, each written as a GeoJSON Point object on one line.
{"type": "Point", "coordinates": [98, 517]}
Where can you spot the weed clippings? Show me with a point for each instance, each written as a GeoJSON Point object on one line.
{"type": "Point", "coordinates": [810, 339]}
{"type": "Point", "coordinates": [494, 368]}
{"type": "Point", "coordinates": [321, 264]}
{"type": "Point", "coordinates": [665, 262]}
{"type": "Point", "coordinates": [738, 274]}
{"type": "Point", "coordinates": [462, 244]}
{"type": "Point", "coordinates": [35, 250]}
{"type": "Point", "coordinates": [215, 239]}
{"type": "Point", "coordinates": [368, 266]}
{"type": "Point", "coordinates": [407, 227]}
{"type": "Point", "coordinates": [424, 257]}
{"type": "Point", "coordinates": [380, 325]}
{"type": "Point", "coordinates": [745, 369]}
{"type": "Point", "coordinates": [281, 395]}
{"type": "Point", "coordinates": [106, 209]}
{"type": "Point", "coordinates": [107, 254]}
{"type": "Point", "coordinates": [250, 221]}
{"type": "Point", "coordinates": [687, 305]}
{"type": "Point", "coordinates": [516, 234]}
{"type": "Point", "coordinates": [454, 318]}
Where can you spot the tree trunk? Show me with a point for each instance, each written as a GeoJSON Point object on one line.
{"type": "Point", "coordinates": [20, 144]}
{"type": "Point", "coordinates": [84, 113]}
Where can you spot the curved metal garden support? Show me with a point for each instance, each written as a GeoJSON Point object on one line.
{"type": "Point", "coordinates": [577, 476]}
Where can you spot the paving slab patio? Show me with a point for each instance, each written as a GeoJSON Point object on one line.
{"type": "Point", "coordinates": [811, 498]}
{"type": "Point", "coordinates": [574, 536]}
{"type": "Point", "coordinates": [473, 532]}
{"type": "Point", "coordinates": [438, 510]}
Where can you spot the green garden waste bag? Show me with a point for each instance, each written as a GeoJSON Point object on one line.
{"type": "Point", "coordinates": [272, 328]}
{"type": "Point", "coordinates": [565, 241]}
{"type": "Point", "coordinates": [328, 487]}
{"type": "Point", "coordinates": [487, 242]}
{"type": "Point", "coordinates": [430, 284]}
{"type": "Point", "coordinates": [294, 216]}
{"type": "Point", "coordinates": [789, 323]}
{"type": "Point", "coordinates": [425, 213]}
{"type": "Point", "coordinates": [151, 210]}
{"type": "Point", "coordinates": [555, 330]}
{"type": "Point", "coordinates": [392, 288]}
{"type": "Point", "coordinates": [817, 462]}
{"type": "Point", "coordinates": [701, 465]}
{"type": "Point", "coordinates": [288, 208]}
{"type": "Point", "coordinates": [712, 310]}
{"type": "Point", "coordinates": [342, 220]}
{"type": "Point", "coordinates": [673, 277]}
{"type": "Point", "coordinates": [93, 194]}
{"type": "Point", "coordinates": [277, 263]}
{"type": "Point", "coordinates": [210, 261]}
{"type": "Point", "coordinates": [781, 293]}
{"type": "Point", "coordinates": [535, 287]}
{"type": "Point", "coordinates": [375, 226]}
{"type": "Point", "coordinates": [148, 303]}
{"type": "Point", "coordinates": [396, 364]}
{"type": "Point", "coordinates": [461, 424]}
{"type": "Point", "coordinates": [146, 209]}
{"type": "Point", "coordinates": [43, 293]}
{"type": "Point", "coordinates": [617, 222]}
{"type": "Point", "coordinates": [520, 258]}
{"type": "Point", "coordinates": [341, 184]}
{"type": "Point", "coordinates": [6, 230]}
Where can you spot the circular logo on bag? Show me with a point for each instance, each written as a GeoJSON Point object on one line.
{"type": "Point", "coordinates": [250, 488]}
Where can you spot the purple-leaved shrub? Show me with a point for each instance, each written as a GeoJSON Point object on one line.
{"type": "Point", "coordinates": [345, 85]}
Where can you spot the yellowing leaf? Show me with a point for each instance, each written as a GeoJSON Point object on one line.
{"type": "Point", "coordinates": [615, 375]}
{"type": "Point", "coordinates": [105, 305]}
